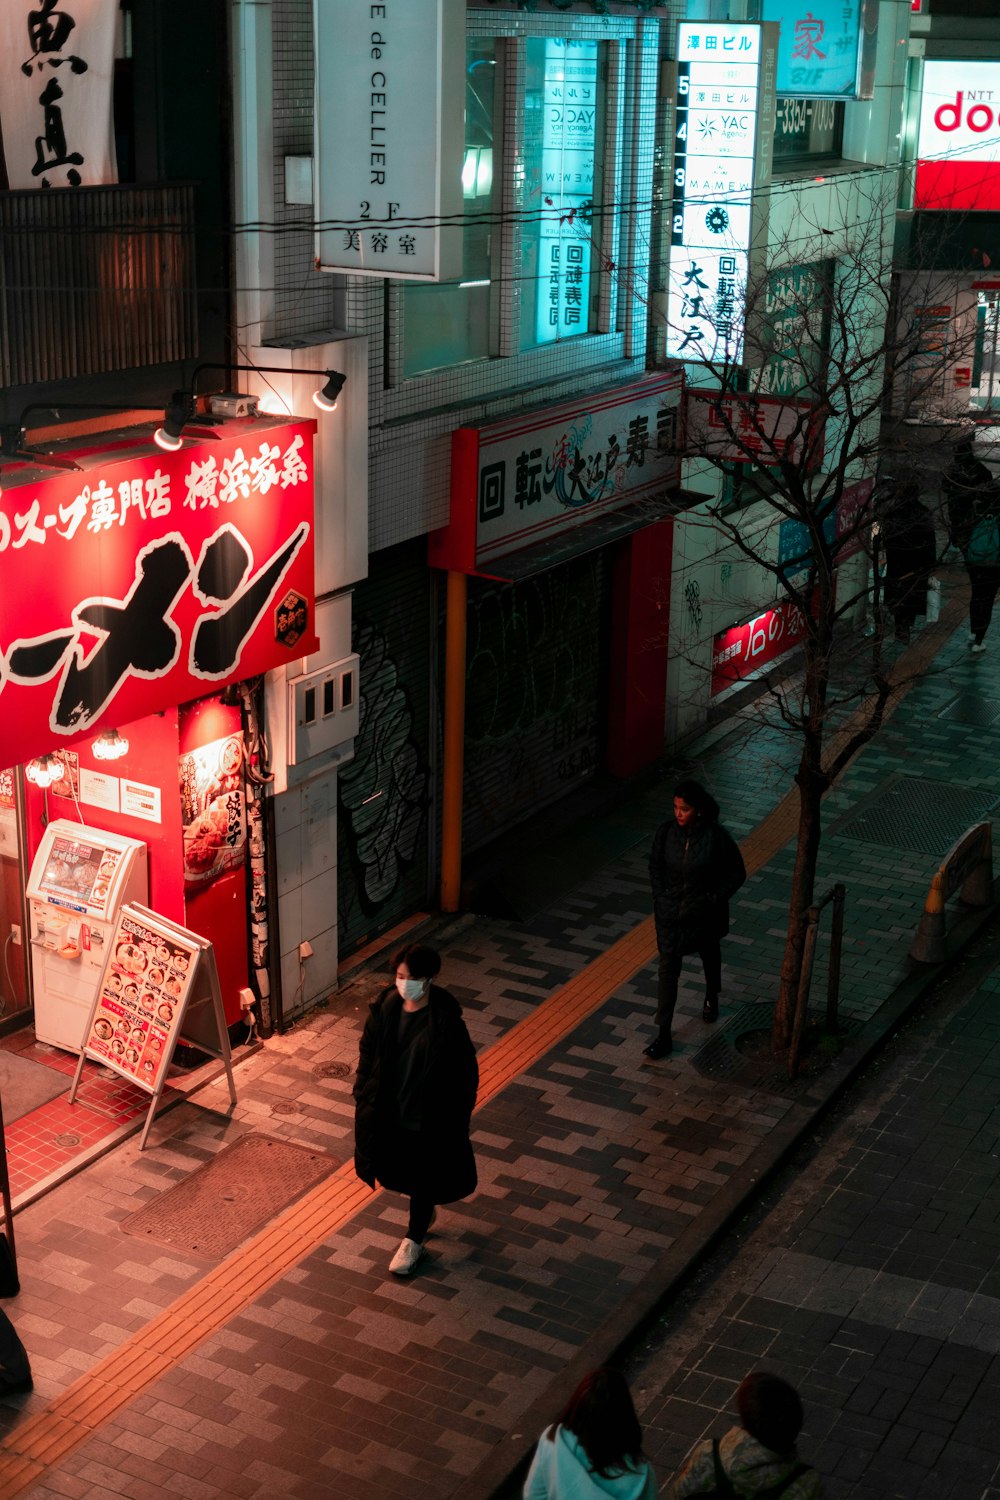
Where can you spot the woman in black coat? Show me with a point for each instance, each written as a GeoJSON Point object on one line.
{"type": "Point", "coordinates": [414, 1095]}
{"type": "Point", "coordinates": [694, 868]}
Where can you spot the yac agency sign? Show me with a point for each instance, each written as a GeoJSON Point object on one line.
{"type": "Point", "coordinates": [958, 143]}
{"type": "Point", "coordinates": [390, 94]}
{"type": "Point", "coordinates": [722, 139]}
{"type": "Point", "coordinates": [145, 582]}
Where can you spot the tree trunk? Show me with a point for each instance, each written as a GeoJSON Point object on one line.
{"type": "Point", "coordinates": [812, 782]}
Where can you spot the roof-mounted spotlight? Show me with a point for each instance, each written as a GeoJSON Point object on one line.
{"type": "Point", "coordinates": [179, 411]}
{"type": "Point", "coordinates": [326, 398]}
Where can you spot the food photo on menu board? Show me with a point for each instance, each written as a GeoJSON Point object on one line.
{"type": "Point", "coordinates": [213, 810]}
{"type": "Point", "coordinates": [141, 1001]}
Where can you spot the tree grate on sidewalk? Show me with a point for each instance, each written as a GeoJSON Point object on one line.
{"type": "Point", "coordinates": [924, 817]}
{"type": "Point", "coordinates": [972, 708]}
{"type": "Point", "coordinates": [720, 1057]}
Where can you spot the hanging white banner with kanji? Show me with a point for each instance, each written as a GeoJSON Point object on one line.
{"type": "Point", "coordinates": [56, 74]}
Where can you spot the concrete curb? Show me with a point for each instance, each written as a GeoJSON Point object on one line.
{"type": "Point", "coordinates": [508, 1461]}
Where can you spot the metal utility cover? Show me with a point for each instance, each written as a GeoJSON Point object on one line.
{"type": "Point", "coordinates": [926, 817]}
{"type": "Point", "coordinates": [222, 1203]}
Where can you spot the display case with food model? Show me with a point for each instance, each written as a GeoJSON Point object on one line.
{"type": "Point", "coordinates": [80, 879]}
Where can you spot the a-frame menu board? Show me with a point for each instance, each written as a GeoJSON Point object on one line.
{"type": "Point", "coordinates": [160, 985]}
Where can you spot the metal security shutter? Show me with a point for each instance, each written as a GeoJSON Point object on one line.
{"type": "Point", "coordinates": [385, 793]}
{"type": "Point", "coordinates": [534, 693]}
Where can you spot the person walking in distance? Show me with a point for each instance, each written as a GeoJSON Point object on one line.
{"type": "Point", "coordinates": [756, 1460]}
{"type": "Point", "coordinates": [973, 499]}
{"type": "Point", "coordinates": [414, 1094]}
{"type": "Point", "coordinates": [694, 868]}
{"type": "Point", "coordinates": [593, 1450]}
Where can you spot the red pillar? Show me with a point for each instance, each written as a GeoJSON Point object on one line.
{"type": "Point", "coordinates": [640, 618]}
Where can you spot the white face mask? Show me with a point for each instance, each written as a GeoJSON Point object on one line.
{"type": "Point", "coordinates": [411, 989]}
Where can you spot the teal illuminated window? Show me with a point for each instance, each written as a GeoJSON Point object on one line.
{"type": "Point", "coordinates": [563, 134]}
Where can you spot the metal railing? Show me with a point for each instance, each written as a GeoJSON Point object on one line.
{"type": "Point", "coordinates": [966, 868]}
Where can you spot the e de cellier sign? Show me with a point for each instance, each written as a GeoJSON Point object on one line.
{"type": "Point", "coordinates": [142, 582]}
{"type": "Point", "coordinates": [389, 134]}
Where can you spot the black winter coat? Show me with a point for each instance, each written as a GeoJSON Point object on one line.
{"type": "Point", "coordinates": [447, 1167]}
{"type": "Point", "coordinates": [693, 872]}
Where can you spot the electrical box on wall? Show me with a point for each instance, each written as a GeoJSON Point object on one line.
{"type": "Point", "coordinates": [323, 711]}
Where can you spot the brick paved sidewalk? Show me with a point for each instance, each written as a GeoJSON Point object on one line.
{"type": "Point", "coordinates": [601, 1177]}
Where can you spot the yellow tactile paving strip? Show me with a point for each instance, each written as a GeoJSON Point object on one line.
{"type": "Point", "coordinates": [43, 1440]}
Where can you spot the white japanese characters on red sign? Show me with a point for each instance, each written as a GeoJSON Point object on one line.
{"type": "Point", "coordinates": [144, 581]}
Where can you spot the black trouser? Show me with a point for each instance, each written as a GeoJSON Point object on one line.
{"type": "Point", "coordinates": [710, 953]}
{"type": "Point", "coordinates": [421, 1214]}
{"type": "Point", "coordinates": [985, 580]}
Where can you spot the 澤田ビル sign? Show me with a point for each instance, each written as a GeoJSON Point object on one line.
{"type": "Point", "coordinates": [742, 649]}
{"type": "Point", "coordinates": [724, 122]}
{"type": "Point", "coordinates": [389, 137]}
{"type": "Point", "coordinates": [521, 481]}
{"type": "Point", "coordinates": [144, 582]}
{"type": "Point", "coordinates": [958, 142]}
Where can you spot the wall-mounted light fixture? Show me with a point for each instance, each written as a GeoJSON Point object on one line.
{"type": "Point", "coordinates": [109, 745]}
{"type": "Point", "coordinates": [44, 770]}
{"type": "Point", "coordinates": [181, 407]}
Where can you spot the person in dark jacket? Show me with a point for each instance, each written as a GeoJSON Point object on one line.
{"type": "Point", "coordinates": [973, 498]}
{"type": "Point", "coordinates": [414, 1094]}
{"type": "Point", "coordinates": [694, 868]}
{"type": "Point", "coordinates": [908, 538]}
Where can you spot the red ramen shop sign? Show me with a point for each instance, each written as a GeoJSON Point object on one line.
{"type": "Point", "coordinates": [144, 582]}
{"type": "Point", "coordinates": [742, 649]}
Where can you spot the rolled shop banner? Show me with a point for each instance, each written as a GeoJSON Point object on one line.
{"type": "Point", "coordinates": [56, 77]}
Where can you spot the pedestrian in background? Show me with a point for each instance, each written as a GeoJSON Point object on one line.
{"type": "Point", "coordinates": [907, 536]}
{"type": "Point", "coordinates": [758, 1458]}
{"type": "Point", "coordinates": [593, 1450]}
{"type": "Point", "coordinates": [973, 499]}
{"type": "Point", "coordinates": [414, 1094]}
{"type": "Point", "coordinates": [694, 868]}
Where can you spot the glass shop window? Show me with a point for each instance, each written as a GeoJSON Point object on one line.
{"type": "Point", "coordinates": [451, 322]}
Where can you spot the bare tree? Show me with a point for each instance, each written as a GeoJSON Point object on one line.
{"type": "Point", "coordinates": [825, 334]}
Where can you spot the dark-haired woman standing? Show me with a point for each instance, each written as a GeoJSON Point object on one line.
{"type": "Point", "coordinates": [593, 1450]}
{"type": "Point", "coordinates": [694, 868]}
{"type": "Point", "coordinates": [414, 1095]}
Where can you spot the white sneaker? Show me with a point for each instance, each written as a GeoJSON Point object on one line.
{"type": "Point", "coordinates": [978, 648]}
{"type": "Point", "coordinates": [972, 639]}
{"type": "Point", "coordinates": [404, 1262]}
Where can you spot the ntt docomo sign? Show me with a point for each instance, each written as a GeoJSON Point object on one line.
{"type": "Point", "coordinates": [958, 145]}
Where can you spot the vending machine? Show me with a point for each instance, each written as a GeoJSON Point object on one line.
{"type": "Point", "coordinates": [79, 880]}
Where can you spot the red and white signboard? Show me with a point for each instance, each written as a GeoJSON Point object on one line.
{"type": "Point", "coordinates": [958, 144]}
{"type": "Point", "coordinates": [531, 477]}
{"type": "Point", "coordinates": [743, 648]}
{"type": "Point", "coordinates": [736, 429]}
{"type": "Point", "coordinates": [142, 582]}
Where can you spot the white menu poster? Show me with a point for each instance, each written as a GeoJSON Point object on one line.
{"type": "Point", "coordinates": [160, 984]}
